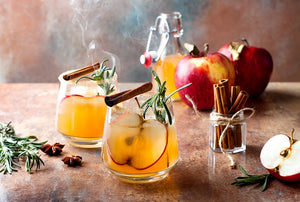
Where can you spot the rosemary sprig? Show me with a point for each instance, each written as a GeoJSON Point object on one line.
{"type": "Point", "coordinates": [158, 102]}
{"type": "Point", "coordinates": [13, 148]}
{"type": "Point", "coordinates": [102, 76]}
{"type": "Point", "coordinates": [252, 179]}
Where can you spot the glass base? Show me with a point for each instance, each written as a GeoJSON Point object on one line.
{"type": "Point", "coordinates": [84, 143]}
{"type": "Point", "coordinates": [141, 178]}
{"type": "Point", "coordinates": [232, 151]}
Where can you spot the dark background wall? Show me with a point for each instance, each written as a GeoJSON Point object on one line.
{"type": "Point", "coordinates": [40, 39]}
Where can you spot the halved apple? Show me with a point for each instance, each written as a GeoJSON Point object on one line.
{"type": "Point", "coordinates": [137, 142]}
{"type": "Point", "coordinates": [281, 156]}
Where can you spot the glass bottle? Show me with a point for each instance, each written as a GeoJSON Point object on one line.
{"type": "Point", "coordinates": [168, 27]}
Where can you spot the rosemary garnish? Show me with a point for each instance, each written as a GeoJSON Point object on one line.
{"type": "Point", "coordinates": [252, 179]}
{"type": "Point", "coordinates": [103, 77]}
{"type": "Point", "coordinates": [13, 148]}
{"type": "Point", "coordinates": [158, 102]}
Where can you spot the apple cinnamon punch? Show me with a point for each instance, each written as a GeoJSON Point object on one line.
{"type": "Point", "coordinates": [81, 109]}
{"type": "Point", "coordinates": [140, 143]}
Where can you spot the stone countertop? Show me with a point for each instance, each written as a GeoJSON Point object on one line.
{"type": "Point", "coordinates": [200, 174]}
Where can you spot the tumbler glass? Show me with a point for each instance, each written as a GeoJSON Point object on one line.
{"type": "Point", "coordinates": [138, 148]}
{"type": "Point", "coordinates": [81, 110]}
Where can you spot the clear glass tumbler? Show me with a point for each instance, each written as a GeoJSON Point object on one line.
{"type": "Point", "coordinates": [139, 149]}
{"type": "Point", "coordinates": [81, 110]}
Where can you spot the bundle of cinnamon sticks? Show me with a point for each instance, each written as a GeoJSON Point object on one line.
{"type": "Point", "coordinates": [227, 103]}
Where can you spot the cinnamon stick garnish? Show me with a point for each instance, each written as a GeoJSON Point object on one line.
{"type": "Point", "coordinates": [113, 99]}
{"type": "Point", "coordinates": [82, 71]}
{"type": "Point", "coordinates": [112, 96]}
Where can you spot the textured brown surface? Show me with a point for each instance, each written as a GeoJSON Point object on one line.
{"type": "Point", "coordinates": [200, 175]}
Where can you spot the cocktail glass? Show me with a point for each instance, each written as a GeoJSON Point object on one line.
{"type": "Point", "coordinates": [139, 149]}
{"type": "Point", "coordinates": [81, 110]}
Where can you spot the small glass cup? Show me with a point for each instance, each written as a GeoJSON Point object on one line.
{"type": "Point", "coordinates": [234, 140]}
{"type": "Point", "coordinates": [137, 149]}
{"type": "Point", "coordinates": [81, 110]}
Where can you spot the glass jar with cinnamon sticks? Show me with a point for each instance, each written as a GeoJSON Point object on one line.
{"type": "Point", "coordinates": [227, 122]}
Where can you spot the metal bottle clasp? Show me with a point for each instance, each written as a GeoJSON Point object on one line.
{"type": "Point", "coordinates": [162, 26]}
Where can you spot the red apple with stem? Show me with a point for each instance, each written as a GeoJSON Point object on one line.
{"type": "Point", "coordinates": [203, 69]}
{"type": "Point", "coordinates": [281, 156]}
{"type": "Point", "coordinates": [253, 66]}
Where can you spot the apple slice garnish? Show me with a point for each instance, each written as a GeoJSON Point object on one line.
{"type": "Point", "coordinates": [122, 134]}
{"type": "Point", "coordinates": [137, 142]}
{"type": "Point", "coordinates": [72, 95]}
{"type": "Point", "coordinates": [76, 98]}
{"type": "Point", "coordinates": [78, 95]}
{"type": "Point", "coordinates": [281, 156]}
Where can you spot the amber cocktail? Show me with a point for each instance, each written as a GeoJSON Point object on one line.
{"type": "Point", "coordinates": [140, 143]}
{"type": "Point", "coordinates": [81, 109]}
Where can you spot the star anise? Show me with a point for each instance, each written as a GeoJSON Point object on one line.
{"type": "Point", "coordinates": [72, 161]}
{"type": "Point", "coordinates": [52, 150]}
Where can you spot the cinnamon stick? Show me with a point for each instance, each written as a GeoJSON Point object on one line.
{"type": "Point", "coordinates": [80, 72]}
{"type": "Point", "coordinates": [113, 100]}
{"type": "Point", "coordinates": [112, 96]}
{"type": "Point", "coordinates": [225, 139]}
{"type": "Point", "coordinates": [239, 102]}
{"type": "Point", "coordinates": [238, 135]}
{"type": "Point", "coordinates": [223, 90]}
{"type": "Point", "coordinates": [217, 136]}
{"type": "Point", "coordinates": [215, 97]}
{"type": "Point", "coordinates": [223, 96]}
{"type": "Point", "coordinates": [221, 107]}
{"type": "Point", "coordinates": [218, 100]}
{"type": "Point", "coordinates": [235, 90]}
{"type": "Point", "coordinates": [224, 82]}
{"type": "Point", "coordinates": [238, 105]}
{"type": "Point", "coordinates": [218, 109]}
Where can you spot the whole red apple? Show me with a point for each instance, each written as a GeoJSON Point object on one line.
{"type": "Point", "coordinates": [253, 66]}
{"type": "Point", "coordinates": [281, 156]}
{"type": "Point", "coordinates": [203, 70]}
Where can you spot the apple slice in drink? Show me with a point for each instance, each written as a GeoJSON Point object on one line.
{"type": "Point", "coordinates": [74, 100]}
{"type": "Point", "coordinates": [122, 134]}
{"type": "Point", "coordinates": [137, 142]}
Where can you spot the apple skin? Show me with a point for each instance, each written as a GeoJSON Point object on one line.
{"type": "Point", "coordinates": [202, 72]}
{"type": "Point", "coordinates": [67, 96]}
{"type": "Point", "coordinates": [291, 178]}
{"type": "Point", "coordinates": [253, 67]}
